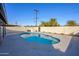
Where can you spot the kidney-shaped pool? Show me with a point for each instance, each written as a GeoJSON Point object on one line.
{"type": "Point", "coordinates": [39, 38]}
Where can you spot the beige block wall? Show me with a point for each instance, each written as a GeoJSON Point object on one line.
{"type": "Point", "coordinates": [16, 28]}
{"type": "Point", "coordinates": [64, 30]}
{"type": "Point", "coordinates": [33, 29]}
{"type": "Point", "coordinates": [52, 29]}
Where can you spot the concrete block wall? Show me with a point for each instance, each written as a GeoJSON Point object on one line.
{"type": "Point", "coordinates": [32, 29]}
{"type": "Point", "coordinates": [63, 30]}
{"type": "Point", "coordinates": [59, 30]}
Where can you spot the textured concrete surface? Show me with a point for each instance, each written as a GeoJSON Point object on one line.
{"type": "Point", "coordinates": [15, 45]}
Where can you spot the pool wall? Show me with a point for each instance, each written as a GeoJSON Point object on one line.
{"type": "Point", "coordinates": [39, 37]}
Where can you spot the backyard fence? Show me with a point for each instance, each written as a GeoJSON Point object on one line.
{"type": "Point", "coordinates": [59, 30]}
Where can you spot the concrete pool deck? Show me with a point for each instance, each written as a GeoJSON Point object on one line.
{"type": "Point", "coordinates": [15, 45]}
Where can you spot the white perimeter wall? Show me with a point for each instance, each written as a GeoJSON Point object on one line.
{"type": "Point", "coordinates": [60, 30]}
{"type": "Point", "coordinates": [33, 29]}
{"type": "Point", "coordinates": [63, 30]}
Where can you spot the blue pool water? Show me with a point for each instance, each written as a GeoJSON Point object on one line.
{"type": "Point", "coordinates": [39, 38]}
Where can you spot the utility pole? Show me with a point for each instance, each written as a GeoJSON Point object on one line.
{"type": "Point", "coordinates": [16, 23]}
{"type": "Point", "coordinates": [36, 17]}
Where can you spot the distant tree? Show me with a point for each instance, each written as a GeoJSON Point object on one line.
{"type": "Point", "coordinates": [53, 22]}
{"type": "Point", "coordinates": [44, 24]}
{"type": "Point", "coordinates": [71, 23]}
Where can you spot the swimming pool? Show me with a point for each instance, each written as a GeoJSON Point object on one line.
{"type": "Point", "coordinates": [39, 38]}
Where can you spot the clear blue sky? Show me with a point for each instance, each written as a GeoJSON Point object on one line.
{"type": "Point", "coordinates": [23, 13]}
